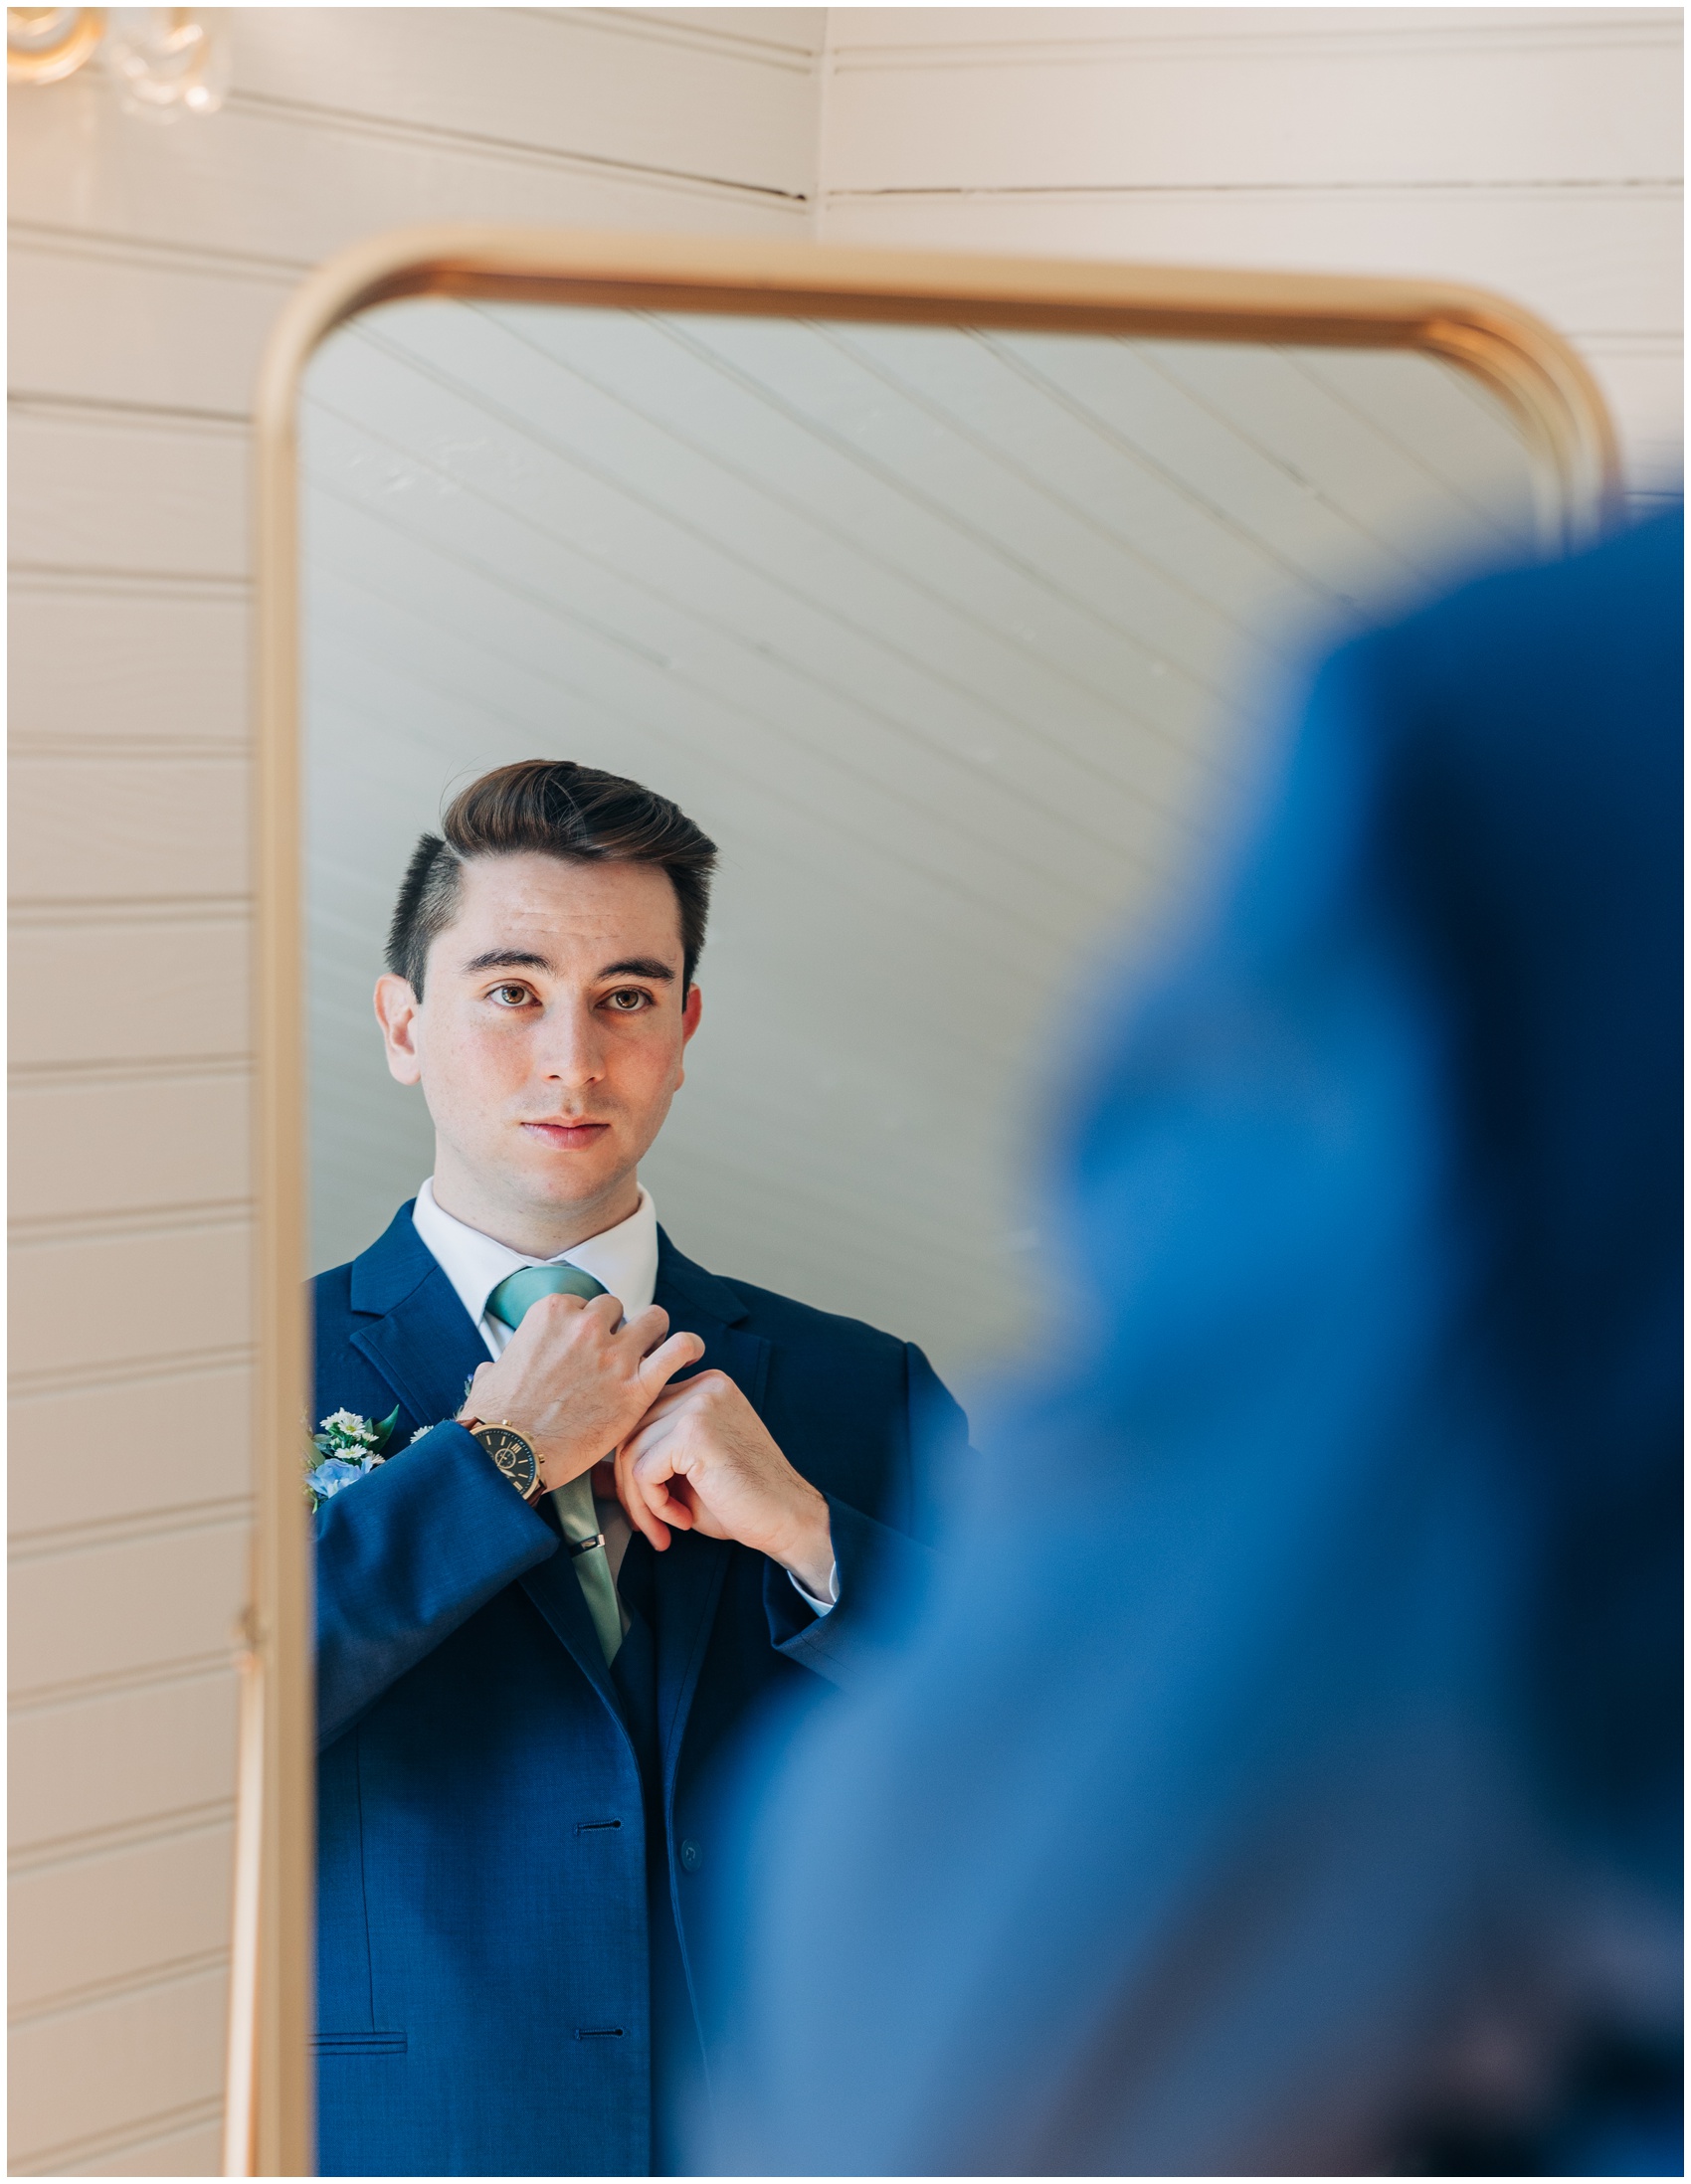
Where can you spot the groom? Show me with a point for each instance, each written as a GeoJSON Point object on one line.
{"type": "Point", "coordinates": [629, 1505]}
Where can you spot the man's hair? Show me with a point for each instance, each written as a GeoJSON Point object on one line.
{"type": "Point", "coordinates": [550, 807]}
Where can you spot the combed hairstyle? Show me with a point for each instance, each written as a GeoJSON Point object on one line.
{"type": "Point", "coordinates": [552, 807]}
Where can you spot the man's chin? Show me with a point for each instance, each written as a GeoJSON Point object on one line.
{"type": "Point", "coordinates": [565, 1179]}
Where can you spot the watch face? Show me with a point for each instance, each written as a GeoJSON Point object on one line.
{"type": "Point", "coordinates": [514, 1456]}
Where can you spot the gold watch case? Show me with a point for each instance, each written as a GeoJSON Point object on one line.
{"type": "Point", "coordinates": [514, 1456]}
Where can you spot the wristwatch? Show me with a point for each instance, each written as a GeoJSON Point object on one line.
{"type": "Point", "coordinates": [512, 1454]}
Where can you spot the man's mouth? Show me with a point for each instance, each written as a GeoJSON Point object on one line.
{"type": "Point", "coordinates": [567, 1136]}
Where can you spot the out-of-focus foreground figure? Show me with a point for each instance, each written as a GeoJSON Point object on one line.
{"type": "Point", "coordinates": [1288, 1777]}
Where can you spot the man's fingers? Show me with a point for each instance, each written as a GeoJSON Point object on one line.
{"type": "Point", "coordinates": [636, 1506]}
{"type": "Point", "coordinates": [669, 1358]}
{"type": "Point", "coordinates": [560, 1305]}
{"type": "Point", "coordinates": [647, 1327]}
{"type": "Point", "coordinates": [665, 1506]}
{"type": "Point", "coordinates": [645, 1494]}
{"type": "Point", "coordinates": [645, 1468]}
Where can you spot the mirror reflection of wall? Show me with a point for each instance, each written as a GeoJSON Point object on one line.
{"type": "Point", "coordinates": [960, 642]}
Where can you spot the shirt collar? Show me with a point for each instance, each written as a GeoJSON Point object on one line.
{"type": "Point", "coordinates": [624, 1258]}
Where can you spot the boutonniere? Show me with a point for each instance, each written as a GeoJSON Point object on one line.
{"type": "Point", "coordinates": [343, 1448]}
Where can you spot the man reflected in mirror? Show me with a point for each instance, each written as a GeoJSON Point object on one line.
{"type": "Point", "coordinates": [627, 1505]}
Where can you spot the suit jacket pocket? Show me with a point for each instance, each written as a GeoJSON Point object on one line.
{"type": "Point", "coordinates": [359, 2043]}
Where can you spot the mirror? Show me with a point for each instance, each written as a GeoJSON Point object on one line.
{"type": "Point", "coordinates": [957, 603]}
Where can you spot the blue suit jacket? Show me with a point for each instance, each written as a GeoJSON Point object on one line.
{"type": "Point", "coordinates": [483, 2002]}
{"type": "Point", "coordinates": [1308, 1799]}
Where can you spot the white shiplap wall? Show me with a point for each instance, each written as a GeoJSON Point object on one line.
{"type": "Point", "coordinates": [147, 267]}
{"type": "Point", "coordinates": [1538, 151]}
{"type": "Point", "coordinates": [1534, 150]}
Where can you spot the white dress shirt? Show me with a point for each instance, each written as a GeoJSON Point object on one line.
{"type": "Point", "coordinates": [624, 1259]}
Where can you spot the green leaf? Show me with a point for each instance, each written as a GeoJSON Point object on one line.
{"type": "Point", "coordinates": [384, 1430]}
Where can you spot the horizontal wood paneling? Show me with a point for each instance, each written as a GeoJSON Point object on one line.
{"type": "Point", "coordinates": [87, 1768]}
{"type": "Point", "coordinates": [82, 1150]}
{"type": "Point", "coordinates": [125, 1452]}
{"type": "Point", "coordinates": [194, 2149]}
{"type": "Point", "coordinates": [160, 2050]}
{"type": "Point", "coordinates": [290, 186]}
{"type": "Point", "coordinates": [193, 332]}
{"type": "Point", "coordinates": [92, 661]}
{"type": "Point", "coordinates": [103, 1301]}
{"type": "Point", "coordinates": [80, 1613]}
{"type": "Point", "coordinates": [705, 107]}
{"type": "Point", "coordinates": [1536, 151]}
{"type": "Point", "coordinates": [998, 36]}
{"type": "Point", "coordinates": [83, 1924]}
{"type": "Point", "coordinates": [101, 490]}
{"type": "Point", "coordinates": [169, 825]}
{"type": "Point", "coordinates": [137, 987]}
{"type": "Point", "coordinates": [148, 265]}
{"type": "Point", "coordinates": [1153, 113]}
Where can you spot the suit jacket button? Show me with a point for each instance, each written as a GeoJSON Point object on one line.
{"type": "Point", "coordinates": [690, 1856]}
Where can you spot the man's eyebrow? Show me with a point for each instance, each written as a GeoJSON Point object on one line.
{"type": "Point", "coordinates": [507, 958]}
{"type": "Point", "coordinates": [638, 967]}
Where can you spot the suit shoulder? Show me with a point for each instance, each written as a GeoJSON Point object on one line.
{"type": "Point", "coordinates": [331, 1292]}
{"type": "Point", "coordinates": [786, 1319]}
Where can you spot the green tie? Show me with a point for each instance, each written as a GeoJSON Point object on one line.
{"type": "Point", "coordinates": [577, 1517]}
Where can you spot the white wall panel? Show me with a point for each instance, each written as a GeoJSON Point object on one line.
{"type": "Point", "coordinates": [142, 1145]}
{"type": "Point", "coordinates": [169, 986]}
{"type": "Point", "coordinates": [119, 1762]}
{"type": "Point", "coordinates": [1388, 100]}
{"type": "Point", "coordinates": [1537, 151]}
{"type": "Point", "coordinates": [161, 817]}
{"type": "Point", "coordinates": [104, 663]}
{"type": "Point", "coordinates": [192, 329]}
{"type": "Point", "coordinates": [163, 1471]}
{"type": "Point", "coordinates": [149, 265]}
{"type": "Point", "coordinates": [79, 1924]}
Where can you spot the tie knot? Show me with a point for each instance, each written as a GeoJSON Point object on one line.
{"type": "Point", "coordinates": [530, 1284]}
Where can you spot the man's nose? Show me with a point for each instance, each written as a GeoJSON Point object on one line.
{"type": "Point", "coordinates": [571, 1050]}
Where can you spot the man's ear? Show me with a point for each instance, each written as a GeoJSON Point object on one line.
{"type": "Point", "coordinates": [689, 1024]}
{"type": "Point", "coordinates": [397, 1009]}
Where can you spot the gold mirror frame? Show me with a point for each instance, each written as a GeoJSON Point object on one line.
{"type": "Point", "coordinates": [1549, 392]}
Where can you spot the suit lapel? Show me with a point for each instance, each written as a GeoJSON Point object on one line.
{"type": "Point", "coordinates": [690, 1575]}
{"type": "Point", "coordinates": [425, 1345]}
{"type": "Point", "coordinates": [416, 1335]}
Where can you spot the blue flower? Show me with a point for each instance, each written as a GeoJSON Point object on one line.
{"type": "Point", "coordinates": [326, 1479]}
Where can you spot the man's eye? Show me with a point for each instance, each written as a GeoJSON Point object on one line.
{"type": "Point", "coordinates": [626, 1000]}
{"type": "Point", "coordinates": [509, 996]}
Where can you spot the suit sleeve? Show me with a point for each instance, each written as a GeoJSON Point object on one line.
{"type": "Point", "coordinates": [885, 1568]}
{"type": "Point", "coordinates": [405, 1556]}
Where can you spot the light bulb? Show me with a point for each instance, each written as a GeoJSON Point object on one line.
{"type": "Point", "coordinates": [168, 60]}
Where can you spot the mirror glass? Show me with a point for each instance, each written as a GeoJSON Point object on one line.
{"type": "Point", "coordinates": [960, 642]}
{"type": "Point", "coordinates": [966, 645]}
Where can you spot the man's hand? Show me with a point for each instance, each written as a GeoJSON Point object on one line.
{"type": "Point", "coordinates": [574, 1383]}
{"type": "Point", "coordinates": [701, 1460]}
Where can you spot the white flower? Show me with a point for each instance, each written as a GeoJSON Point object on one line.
{"type": "Point", "coordinates": [347, 1425]}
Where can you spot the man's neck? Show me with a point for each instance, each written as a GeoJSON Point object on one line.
{"type": "Point", "coordinates": [537, 1232]}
